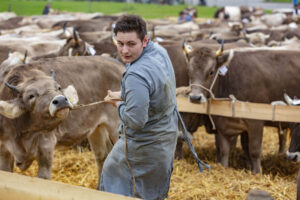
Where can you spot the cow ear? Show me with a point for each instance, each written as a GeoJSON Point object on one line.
{"type": "Point", "coordinates": [71, 93]}
{"type": "Point", "coordinates": [225, 58]}
{"type": "Point", "coordinates": [11, 109]}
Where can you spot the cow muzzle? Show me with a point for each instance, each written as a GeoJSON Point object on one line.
{"type": "Point", "coordinates": [294, 156]}
{"type": "Point", "coordinates": [60, 107]}
{"type": "Point", "coordinates": [197, 98]}
{"type": "Point", "coordinates": [24, 165]}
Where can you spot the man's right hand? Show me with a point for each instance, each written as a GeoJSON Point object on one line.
{"type": "Point", "coordinates": [113, 97]}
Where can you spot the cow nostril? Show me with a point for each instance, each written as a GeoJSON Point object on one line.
{"type": "Point", "coordinates": [194, 98]}
{"type": "Point", "coordinates": [66, 99]}
{"type": "Point", "coordinates": [295, 158]}
{"type": "Point", "coordinates": [55, 102]}
{"type": "Point", "coordinates": [18, 164]}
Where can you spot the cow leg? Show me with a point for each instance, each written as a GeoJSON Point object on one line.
{"type": "Point", "coordinates": [282, 137]}
{"type": "Point", "coordinates": [245, 147]}
{"type": "Point", "coordinates": [192, 122]}
{"type": "Point", "coordinates": [255, 134]}
{"type": "Point", "coordinates": [224, 143]}
{"type": "Point", "coordinates": [46, 145]}
{"type": "Point", "coordinates": [217, 143]}
{"type": "Point", "coordinates": [298, 186]}
{"type": "Point", "coordinates": [6, 159]}
{"type": "Point", "coordinates": [179, 151]}
{"type": "Point", "coordinates": [101, 142]}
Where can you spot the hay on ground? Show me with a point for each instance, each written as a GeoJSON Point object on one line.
{"type": "Point", "coordinates": [77, 167]}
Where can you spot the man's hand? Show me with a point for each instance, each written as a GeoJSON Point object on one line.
{"type": "Point", "coordinates": [113, 97]}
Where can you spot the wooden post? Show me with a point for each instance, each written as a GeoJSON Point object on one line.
{"type": "Point", "coordinates": [16, 187]}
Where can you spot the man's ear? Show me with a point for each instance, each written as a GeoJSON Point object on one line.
{"type": "Point", "coordinates": [71, 93]}
{"type": "Point", "coordinates": [11, 109]}
{"type": "Point", "coordinates": [145, 41]}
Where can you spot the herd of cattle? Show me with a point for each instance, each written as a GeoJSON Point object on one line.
{"type": "Point", "coordinates": [49, 64]}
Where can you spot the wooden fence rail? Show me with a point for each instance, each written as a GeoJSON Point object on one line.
{"type": "Point", "coordinates": [19, 187]}
{"type": "Point", "coordinates": [242, 110]}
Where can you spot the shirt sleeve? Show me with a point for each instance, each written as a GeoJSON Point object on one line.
{"type": "Point", "coordinates": [134, 110]}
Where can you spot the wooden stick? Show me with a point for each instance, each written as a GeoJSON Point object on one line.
{"type": "Point", "coordinates": [15, 187]}
{"type": "Point", "coordinates": [246, 110]}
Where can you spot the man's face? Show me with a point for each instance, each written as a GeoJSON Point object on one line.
{"type": "Point", "coordinates": [130, 46]}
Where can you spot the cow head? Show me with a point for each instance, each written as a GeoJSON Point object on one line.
{"type": "Point", "coordinates": [294, 150]}
{"type": "Point", "coordinates": [203, 67]}
{"type": "Point", "coordinates": [257, 39]}
{"type": "Point", "coordinates": [15, 58]}
{"type": "Point", "coordinates": [34, 99]}
{"type": "Point", "coordinates": [74, 46]}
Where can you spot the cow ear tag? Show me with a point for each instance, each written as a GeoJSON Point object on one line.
{"type": "Point", "coordinates": [223, 70]}
{"type": "Point", "coordinates": [92, 50]}
{"type": "Point", "coordinates": [71, 93]}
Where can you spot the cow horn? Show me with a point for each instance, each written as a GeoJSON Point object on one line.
{"type": "Point", "coordinates": [220, 51]}
{"type": "Point", "coordinates": [14, 88]}
{"type": "Point", "coordinates": [25, 57]}
{"type": "Point", "coordinates": [53, 75]}
{"type": "Point", "coordinates": [75, 35]}
{"type": "Point", "coordinates": [113, 38]}
{"type": "Point", "coordinates": [152, 33]}
{"type": "Point", "coordinates": [186, 48]}
{"type": "Point", "coordinates": [64, 26]}
{"type": "Point", "coordinates": [9, 52]}
{"type": "Point", "coordinates": [288, 99]}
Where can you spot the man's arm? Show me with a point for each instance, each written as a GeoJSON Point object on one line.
{"type": "Point", "coordinates": [134, 112]}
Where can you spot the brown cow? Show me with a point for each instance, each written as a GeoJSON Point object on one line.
{"type": "Point", "coordinates": [179, 61]}
{"type": "Point", "coordinates": [34, 134]}
{"type": "Point", "coordinates": [253, 75]}
{"type": "Point", "coordinates": [102, 23]}
{"type": "Point", "coordinates": [294, 150]}
{"type": "Point", "coordinates": [73, 46]}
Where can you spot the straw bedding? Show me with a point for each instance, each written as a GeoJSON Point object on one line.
{"type": "Point", "coordinates": [77, 166]}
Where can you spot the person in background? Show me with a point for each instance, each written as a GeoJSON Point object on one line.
{"type": "Point", "coordinates": [184, 17]}
{"type": "Point", "coordinates": [141, 162]}
{"type": "Point", "coordinates": [46, 9]}
{"type": "Point", "coordinates": [295, 3]}
{"type": "Point", "coordinates": [296, 7]}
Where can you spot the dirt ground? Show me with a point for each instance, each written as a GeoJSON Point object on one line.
{"type": "Point", "coordinates": [77, 167]}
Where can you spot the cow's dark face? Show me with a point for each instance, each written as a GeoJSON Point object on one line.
{"type": "Point", "coordinates": [39, 103]}
{"type": "Point", "coordinates": [74, 48]}
{"type": "Point", "coordinates": [294, 150]}
{"type": "Point", "coordinates": [203, 67]}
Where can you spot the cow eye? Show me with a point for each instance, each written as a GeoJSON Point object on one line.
{"type": "Point", "coordinates": [211, 73]}
{"type": "Point", "coordinates": [31, 96]}
{"type": "Point", "coordinates": [59, 88]}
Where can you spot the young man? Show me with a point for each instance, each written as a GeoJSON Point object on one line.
{"type": "Point", "coordinates": [141, 162]}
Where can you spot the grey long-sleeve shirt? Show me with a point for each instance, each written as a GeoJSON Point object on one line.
{"type": "Point", "coordinates": [147, 112]}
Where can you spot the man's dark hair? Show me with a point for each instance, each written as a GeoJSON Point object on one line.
{"type": "Point", "coordinates": [130, 23]}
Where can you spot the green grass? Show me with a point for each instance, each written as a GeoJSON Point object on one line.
{"type": "Point", "coordinates": [148, 11]}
